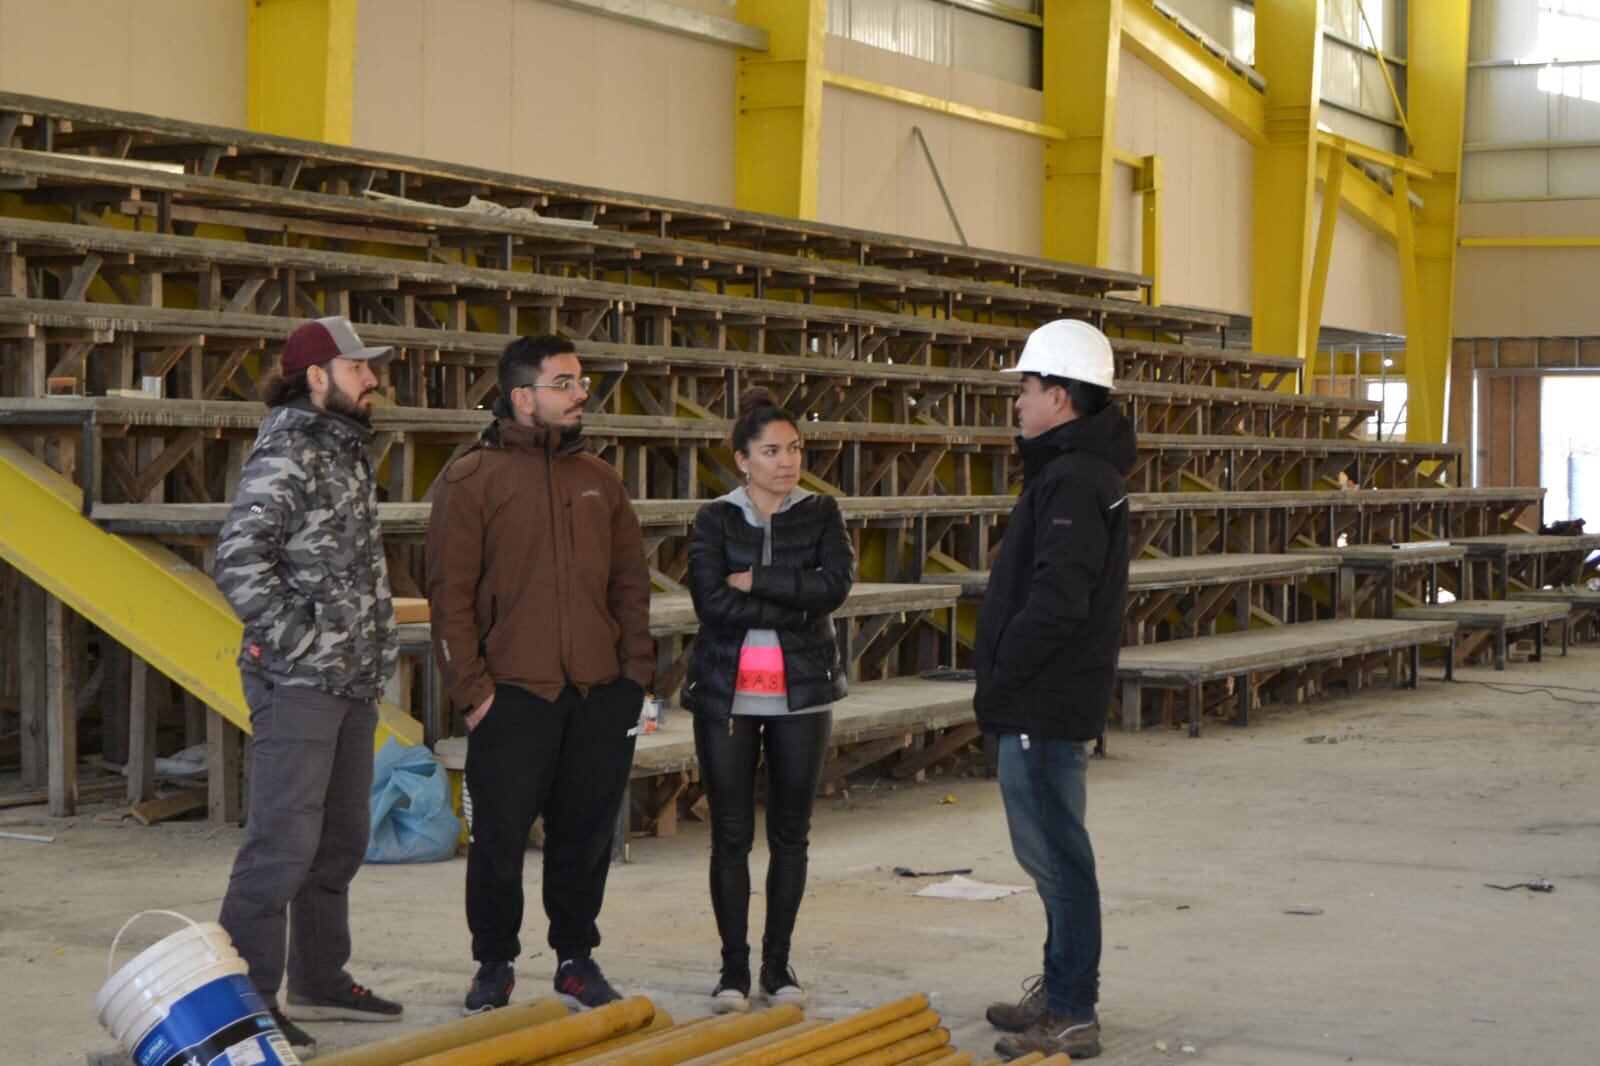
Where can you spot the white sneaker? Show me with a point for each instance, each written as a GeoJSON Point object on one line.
{"type": "Point", "coordinates": [729, 999]}
{"type": "Point", "coordinates": [782, 988]}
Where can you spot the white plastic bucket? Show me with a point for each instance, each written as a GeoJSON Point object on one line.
{"type": "Point", "coordinates": [187, 1000]}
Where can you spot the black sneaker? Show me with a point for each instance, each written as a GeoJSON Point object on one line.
{"type": "Point", "coordinates": [355, 1004]}
{"type": "Point", "coordinates": [732, 994]}
{"type": "Point", "coordinates": [300, 1041]}
{"type": "Point", "coordinates": [781, 987]}
{"type": "Point", "coordinates": [491, 988]}
{"type": "Point", "coordinates": [581, 986]}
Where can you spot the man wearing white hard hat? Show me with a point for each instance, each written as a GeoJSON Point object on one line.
{"type": "Point", "coordinates": [1048, 635]}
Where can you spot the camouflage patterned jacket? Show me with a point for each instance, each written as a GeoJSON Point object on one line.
{"type": "Point", "coordinates": [300, 558]}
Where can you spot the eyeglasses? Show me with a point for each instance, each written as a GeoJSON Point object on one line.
{"type": "Point", "coordinates": [568, 385]}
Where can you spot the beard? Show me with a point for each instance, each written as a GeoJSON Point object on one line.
{"type": "Point", "coordinates": [560, 427]}
{"type": "Point", "coordinates": [342, 403]}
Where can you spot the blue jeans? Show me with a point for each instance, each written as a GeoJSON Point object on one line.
{"type": "Point", "coordinates": [1043, 787]}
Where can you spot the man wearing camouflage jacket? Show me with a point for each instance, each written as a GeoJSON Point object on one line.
{"type": "Point", "coordinates": [301, 560]}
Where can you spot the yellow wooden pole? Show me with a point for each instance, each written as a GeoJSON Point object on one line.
{"type": "Point", "coordinates": [659, 1026]}
{"type": "Point", "coordinates": [402, 1049]}
{"type": "Point", "coordinates": [872, 1040]}
{"type": "Point", "coordinates": [901, 1050]}
{"type": "Point", "coordinates": [537, 1042]}
{"type": "Point", "coordinates": [757, 1043]}
{"type": "Point", "coordinates": [715, 1035]}
{"type": "Point", "coordinates": [834, 1032]}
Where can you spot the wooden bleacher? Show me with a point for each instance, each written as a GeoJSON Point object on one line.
{"type": "Point", "coordinates": [1494, 621]}
{"type": "Point", "coordinates": [121, 265]}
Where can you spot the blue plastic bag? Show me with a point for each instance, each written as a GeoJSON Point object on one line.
{"type": "Point", "coordinates": [411, 816]}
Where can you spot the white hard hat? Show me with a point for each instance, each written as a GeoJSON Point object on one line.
{"type": "Point", "coordinates": [1067, 348]}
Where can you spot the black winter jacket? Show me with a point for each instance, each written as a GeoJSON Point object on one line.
{"type": "Point", "coordinates": [813, 567]}
{"type": "Point", "coordinates": [1050, 626]}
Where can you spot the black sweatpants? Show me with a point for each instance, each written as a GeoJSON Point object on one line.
{"type": "Point", "coordinates": [795, 747]}
{"type": "Point", "coordinates": [568, 760]}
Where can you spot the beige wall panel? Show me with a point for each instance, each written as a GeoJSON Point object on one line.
{"type": "Point", "coordinates": [1363, 281]}
{"type": "Point", "coordinates": [1207, 222]}
{"type": "Point", "coordinates": [1528, 292]}
{"type": "Point", "coordinates": [547, 91]}
{"type": "Point", "coordinates": [873, 173]}
{"type": "Point", "coordinates": [169, 57]}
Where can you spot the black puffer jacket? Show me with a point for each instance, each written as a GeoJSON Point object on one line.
{"type": "Point", "coordinates": [1050, 626]}
{"type": "Point", "coordinates": [813, 567]}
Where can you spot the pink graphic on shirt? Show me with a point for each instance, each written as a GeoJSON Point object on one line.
{"type": "Point", "coordinates": [761, 672]}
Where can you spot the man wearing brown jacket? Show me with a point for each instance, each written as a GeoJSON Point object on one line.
{"type": "Point", "coordinates": [540, 601]}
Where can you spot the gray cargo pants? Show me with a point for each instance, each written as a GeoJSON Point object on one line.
{"type": "Point", "coordinates": [310, 811]}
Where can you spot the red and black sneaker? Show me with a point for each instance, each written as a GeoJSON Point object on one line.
{"type": "Point", "coordinates": [354, 1004]}
{"type": "Point", "coordinates": [491, 988]}
{"type": "Point", "coordinates": [581, 986]}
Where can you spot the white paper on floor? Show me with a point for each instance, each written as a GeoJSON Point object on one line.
{"type": "Point", "coordinates": [959, 887]}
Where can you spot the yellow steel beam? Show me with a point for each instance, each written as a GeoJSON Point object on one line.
{"type": "Point", "coordinates": [1436, 84]}
{"type": "Point", "coordinates": [1357, 150]}
{"type": "Point", "coordinates": [777, 133]}
{"type": "Point", "coordinates": [1368, 203]}
{"type": "Point", "coordinates": [866, 87]}
{"type": "Point", "coordinates": [1158, 41]}
{"type": "Point", "coordinates": [301, 59]}
{"type": "Point", "coordinates": [1082, 53]}
{"type": "Point", "coordinates": [1289, 54]}
{"type": "Point", "coordinates": [148, 599]}
{"type": "Point", "coordinates": [1529, 242]}
{"type": "Point", "coordinates": [1322, 256]}
{"type": "Point", "coordinates": [1148, 184]}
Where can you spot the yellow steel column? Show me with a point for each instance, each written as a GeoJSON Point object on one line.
{"type": "Point", "coordinates": [1082, 48]}
{"type": "Point", "coordinates": [1148, 183]}
{"type": "Point", "coordinates": [1289, 55]}
{"type": "Point", "coordinates": [1436, 85]}
{"type": "Point", "coordinates": [1327, 226]}
{"type": "Point", "coordinates": [777, 133]}
{"type": "Point", "coordinates": [302, 68]}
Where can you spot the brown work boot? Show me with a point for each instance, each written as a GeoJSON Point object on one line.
{"type": "Point", "coordinates": [1017, 1017]}
{"type": "Point", "coordinates": [1052, 1034]}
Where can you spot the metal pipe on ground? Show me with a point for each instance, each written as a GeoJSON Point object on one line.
{"type": "Point", "coordinates": [543, 1041]}
{"type": "Point", "coordinates": [403, 1049]}
{"type": "Point", "coordinates": [834, 1053]}
{"type": "Point", "coordinates": [896, 1053]}
{"type": "Point", "coordinates": [715, 1035]}
{"type": "Point", "coordinates": [659, 1029]}
{"type": "Point", "coordinates": [716, 1058]}
{"type": "Point", "coordinates": [833, 1032]}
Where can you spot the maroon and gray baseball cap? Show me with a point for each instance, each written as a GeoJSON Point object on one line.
{"type": "Point", "coordinates": [323, 339]}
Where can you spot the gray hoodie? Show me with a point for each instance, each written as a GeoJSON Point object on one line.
{"type": "Point", "coordinates": [755, 704]}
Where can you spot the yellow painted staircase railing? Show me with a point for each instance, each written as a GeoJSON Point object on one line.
{"type": "Point", "coordinates": [160, 607]}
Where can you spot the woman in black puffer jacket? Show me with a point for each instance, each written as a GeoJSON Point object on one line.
{"type": "Point", "coordinates": [768, 563]}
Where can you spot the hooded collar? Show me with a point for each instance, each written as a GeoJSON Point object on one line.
{"type": "Point", "coordinates": [511, 434]}
{"type": "Point", "coordinates": [740, 498]}
{"type": "Point", "coordinates": [1106, 435]}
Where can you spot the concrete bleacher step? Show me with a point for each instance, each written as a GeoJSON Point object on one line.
{"type": "Point", "coordinates": [1188, 664]}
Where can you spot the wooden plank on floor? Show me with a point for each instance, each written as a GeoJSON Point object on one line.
{"type": "Point", "coordinates": [179, 803]}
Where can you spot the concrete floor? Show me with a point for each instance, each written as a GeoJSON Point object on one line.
{"type": "Point", "coordinates": [1391, 825]}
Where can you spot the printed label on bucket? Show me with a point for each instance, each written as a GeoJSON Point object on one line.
{"type": "Point", "coordinates": [222, 1023]}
